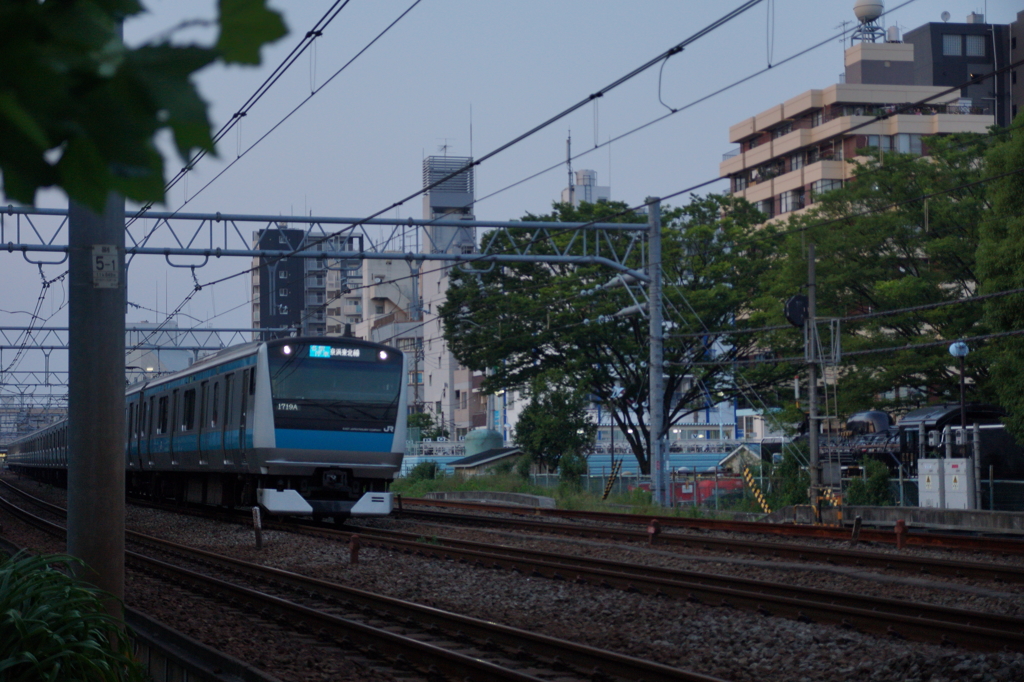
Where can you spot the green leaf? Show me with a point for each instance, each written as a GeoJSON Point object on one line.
{"type": "Point", "coordinates": [245, 26]}
{"type": "Point", "coordinates": [12, 110]}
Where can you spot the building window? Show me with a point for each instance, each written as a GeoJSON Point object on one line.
{"type": "Point", "coordinates": [821, 186]}
{"type": "Point", "coordinates": [379, 309]}
{"type": "Point", "coordinates": [975, 46]}
{"type": "Point", "coordinates": [282, 310]}
{"type": "Point", "coordinates": [1013, 77]}
{"type": "Point", "coordinates": [282, 274]}
{"type": "Point", "coordinates": [282, 291]}
{"type": "Point", "coordinates": [767, 207]}
{"type": "Point", "coordinates": [796, 161]}
{"type": "Point", "coordinates": [908, 143]}
{"type": "Point", "coordinates": [739, 183]}
{"type": "Point", "coordinates": [886, 142]}
{"type": "Point", "coordinates": [951, 45]}
{"type": "Point", "coordinates": [817, 118]}
{"type": "Point", "coordinates": [791, 201]}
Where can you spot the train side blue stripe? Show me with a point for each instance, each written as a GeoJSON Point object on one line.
{"type": "Point", "coordinates": [334, 440]}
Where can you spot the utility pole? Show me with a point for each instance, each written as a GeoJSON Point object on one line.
{"type": "Point", "coordinates": [96, 418]}
{"type": "Point", "coordinates": [812, 378]}
{"type": "Point", "coordinates": [657, 378]}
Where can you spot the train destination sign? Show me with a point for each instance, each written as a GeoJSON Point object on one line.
{"type": "Point", "coordinates": [329, 352]}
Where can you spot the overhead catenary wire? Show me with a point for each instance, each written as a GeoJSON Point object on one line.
{"type": "Point", "coordinates": [304, 43]}
{"type": "Point", "coordinates": [660, 58]}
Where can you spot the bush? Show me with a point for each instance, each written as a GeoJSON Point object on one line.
{"type": "Point", "coordinates": [54, 627]}
{"type": "Point", "coordinates": [523, 466]}
{"type": "Point", "coordinates": [875, 491]}
{"type": "Point", "coordinates": [571, 467]}
{"type": "Point", "coordinates": [424, 471]}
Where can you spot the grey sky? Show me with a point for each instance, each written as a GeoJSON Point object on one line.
{"type": "Point", "coordinates": [356, 147]}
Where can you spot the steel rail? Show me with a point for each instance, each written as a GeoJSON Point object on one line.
{"type": "Point", "coordinates": [934, 540]}
{"type": "Point", "coordinates": [847, 557]}
{"type": "Point", "coordinates": [589, 661]}
{"type": "Point", "coordinates": [880, 604]}
{"type": "Point", "coordinates": [884, 617]}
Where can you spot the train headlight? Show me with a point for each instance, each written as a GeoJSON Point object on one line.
{"type": "Point", "coordinates": [383, 355]}
{"type": "Point", "coordinates": [287, 350]}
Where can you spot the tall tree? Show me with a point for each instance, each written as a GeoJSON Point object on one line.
{"type": "Point", "coordinates": [1000, 255]}
{"type": "Point", "coordinates": [881, 247]}
{"type": "Point", "coordinates": [554, 424]}
{"type": "Point", "coordinates": [523, 321]}
{"type": "Point", "coordinates": [80, 110]}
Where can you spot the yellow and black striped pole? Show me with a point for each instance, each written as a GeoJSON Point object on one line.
{"type": "Point", "coordinates": [749, 477]}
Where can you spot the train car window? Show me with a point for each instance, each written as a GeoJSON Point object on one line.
{"type": "Point", "coordinates": [229, 382]}
{"type": "Point", "coordinates": [131, 420]}
{"type": "Point", "coordinates": [188, 410]}
{"type": "Point", "coordinates": [252, 381]}
{"type": "Point", "coordinates": [216, 400]}
{"type": "Point", "coordinates": [161, 420]}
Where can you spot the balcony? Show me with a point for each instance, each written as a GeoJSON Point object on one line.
{"type": "Point", "coordinates": [731, 154]}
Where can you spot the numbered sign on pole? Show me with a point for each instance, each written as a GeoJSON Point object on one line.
{"type": "Point", "coordinates": [106, 271]}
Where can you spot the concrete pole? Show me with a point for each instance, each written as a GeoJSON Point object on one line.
{"type": "Point", "coordinates": [96, 382]}
{"type": "Point", "coordinates": [657, 379]}
{"type": "Point", "coordinates": [977, 466]}
{"type": "Point", "coordinates": [812, 377]}
{"type": "Point", "coordinates": [947, 438]}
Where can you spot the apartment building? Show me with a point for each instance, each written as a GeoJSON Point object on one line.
{"type": "Point", "coordinates": [795, 151]}
{"type": "Point", "coordinates": [311, 296]}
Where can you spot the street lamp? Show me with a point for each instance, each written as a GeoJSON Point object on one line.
{"type": "Point", "coordinates": [959, 349]}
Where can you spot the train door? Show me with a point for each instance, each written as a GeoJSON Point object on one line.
{"type": "Point", "coordinates": [137, 433]}
{"type": "Point", "coordinates": [148, 426]}
{"type": "Point", "coordinates": [215, 442]}
{"type": "Point", "coordinates": [225, 448]}
{"type": "Point", "coordinates": [130, 441]}
{"type": "Point", "coordinates": [243, 417]}
{"type": "Point", "coordinates": [204, 390]}
{"type": "Point", "coordinates": [172, 426]}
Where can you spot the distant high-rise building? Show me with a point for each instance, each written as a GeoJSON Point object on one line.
{"type": "Point", "coordinates": [451, 392]}
{"type": "Point", "coordinates": [793, 152]}
{"type": "Point", "coordinates": [311, 296]}
{"type": "Point", "coordinates": [586, 189]}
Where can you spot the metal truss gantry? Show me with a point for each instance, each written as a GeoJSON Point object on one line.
{"type": "Point", "coordinates": [191, 240]}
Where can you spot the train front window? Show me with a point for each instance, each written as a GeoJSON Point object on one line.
{"type": "Point", "coordinates": [321, 386]}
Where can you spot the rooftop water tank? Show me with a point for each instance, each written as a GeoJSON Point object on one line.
{"type": "Point", "coordinates": [868, 10]}
{"type": "Point", "coordinates": [479, 440]}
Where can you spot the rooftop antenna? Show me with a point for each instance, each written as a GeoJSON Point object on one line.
{"type": "Point", "coordinates": [443, 148]}
{"type": "Point", "coordinates": [843, 24]}
{"type": "Point", "coordinates": [568, 163]}
{"type": "Point", "coordinates": [868, 13]}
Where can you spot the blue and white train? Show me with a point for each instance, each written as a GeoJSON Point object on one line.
{"type": "Point", "coordinates": [309, 426]}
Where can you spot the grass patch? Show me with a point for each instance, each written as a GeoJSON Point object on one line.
{"type": "Point", "coordinates": [636, 501]}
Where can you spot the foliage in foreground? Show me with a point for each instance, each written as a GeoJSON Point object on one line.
{"type": "Point", "coordinates": [54, 627]}
{"type": "Point", "coordinates": [81, 110]}
{"type": "Point", "coordinates": [875, 490]}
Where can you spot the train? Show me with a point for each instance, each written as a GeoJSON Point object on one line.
{"type": "Point", "coordinates": [312, 426]}
{"type": "Point", "coordinates": [872, 434]}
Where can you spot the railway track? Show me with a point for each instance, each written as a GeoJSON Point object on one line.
{"type": "Point", "coordinates": [1007, 546]}
{"type": "Point", "coordinates": [978, 570]}
{"type": "Point", "coordinates": [881, 616]}
{"type": "Point", "coordinates": [408, 637]}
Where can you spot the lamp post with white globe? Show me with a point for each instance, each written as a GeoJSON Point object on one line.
{"type": "Point", "coordinates": [959, 349]}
